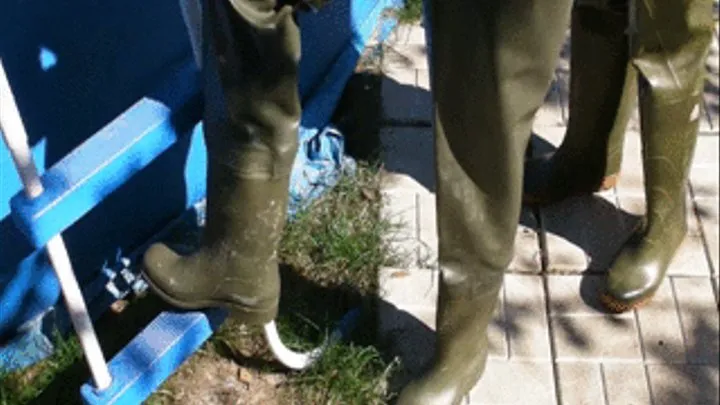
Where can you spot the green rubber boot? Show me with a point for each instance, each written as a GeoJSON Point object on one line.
{"type": "Point", "coordinates": [602, 96]}
{"type": "Point", "coordinates": [491, 65]}
{"type": "Point", "coordinates": [251, 119]}
{"type": "Point", "coordinates": [671, 49]}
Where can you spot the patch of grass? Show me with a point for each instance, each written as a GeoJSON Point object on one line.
{"type": "Point", "coordinates": [338, 244]}
{"type": "Point", "coordinates": [339, 240]}
{"type": "Point", "coordinates": [20, 387]}
{"type": "Point", "coordinates": [411, 12]}
{"type": "Point", "coordinates": [347, 374]}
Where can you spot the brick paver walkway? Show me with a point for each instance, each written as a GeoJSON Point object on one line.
{"type": "Point", "coordinates": [550, 343]}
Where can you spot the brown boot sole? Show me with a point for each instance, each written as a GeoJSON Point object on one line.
{"type": "Point", "coordinates": [607, 183]}
{"type": "Point", "coordinates": [618, 307]}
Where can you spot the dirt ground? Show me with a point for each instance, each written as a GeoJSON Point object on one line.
{"type": "Point", "coordinates": [213, 380]}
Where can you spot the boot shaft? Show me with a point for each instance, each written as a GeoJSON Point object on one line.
{"type": "Point", "coordinates": [251, 119]}
{"type": "Point", "coordinates": [671, 46]}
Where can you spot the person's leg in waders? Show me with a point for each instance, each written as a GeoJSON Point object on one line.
{"type": "Point", "coordinates": [252, 111]}
{"type": "Point", "coordinates": [492, 62]}
{"type": "Point", "coordinates": [602, 96]}
{"type": "Point", "coordinates": [669, 52]}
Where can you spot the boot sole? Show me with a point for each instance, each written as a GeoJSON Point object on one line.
{"type": "Point", "coordinates": [607, 183]}
{"type": "Point", "coordinates": [616, 306]}
{"type": "Point", "coordinates": [248, 316]}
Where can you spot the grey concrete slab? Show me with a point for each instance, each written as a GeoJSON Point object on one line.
{"type": "Point", "coordinates": [576, 295]}
{"type": "Point", "coordinates": [515, 383]}
{"type": "Point", "coordinates": [580, 384]}
{"type": "Point", "coordinates": [596, 338]}
{"type": "Point", "coordinates": [403, 101]}
{"type": "Point", "coordinates": [625, 384]}
{"type": "Point", "coordinates": [526, 318]}
{"type": "Point", "coordinates": [683, 384]}
{"type": "Point", "coordinates": [408, 156]}
{"type": "Point", "coordinates": [699, 318]}
{"type": "Point", "coordinates": [660, 328]}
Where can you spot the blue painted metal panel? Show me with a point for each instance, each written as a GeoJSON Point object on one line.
{"type": "Point", "coordinates": [99, 166]}
{"type": "Point", "coordinates": [74, 67]}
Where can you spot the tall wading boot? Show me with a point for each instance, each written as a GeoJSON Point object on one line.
{"type": "Point", "coordinates": [671, 48]}
{"type": "Point", "coordinates": [251, 119]}
{"type": "Point", "coordinates": [602, 96]}
{"type": "Point", "coordinates": [491, 66]}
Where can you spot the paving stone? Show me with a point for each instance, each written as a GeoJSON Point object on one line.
{"type": "Point", "coordinates": [396, 181]}
{"type": "Point", "coordinates": [400, 209]}
{"type": "Point", "coordinates": [707, 152]}
{"type": "Point", "coordinates": [408, 156]}
{"type": "Point", "coordinates": [403, 100]}
{"type": "Point", "coordinates": [632, 150]}
{"type": "Point", "coordinates": [711, 239]}
{"type": "Point", "coordinates": [607, 231]}
{"type": "Point", "coordinates": [634, 122]}
{"type": "Point", "coordinates": [423, 79]}
{"type": "Point", "coordinates": [625, 384]}
{"type": "Point", "coordinates": [690, 259]}
{"type": "Point", "coordinates": [527, 323]}
{"type": "Point", "coordinates": [560, 89]}
{"type": "Point", "coordinates": [580, 384]}
{"type": "Point", "coordinates": [699, 319]}
{"type": "Point", "coordinates": [564, 255]}
{"type": "Point", "coordinates": [683, 384]}
{"type": "Point", "coordinates": [596, 338]}
{"type": "Point", "coordinates": [705, 181]}
{"type": "Point", "coordinates": [631, 183]}
{"type": "Point", "coordinates": [527, 252]}
{"type": "Point", "coordinates": [497, 330]}
{"type": "Point", "coordinates": [709, 123]}
{"type": "Point", "coordinates": [527, 246]}
{"type": "Point", "coordinates": [707, 209]}
{"type": "Point", "coordinates": [631, 180]}
{"type": "Point", "coordinates": [575, 295]}
{"type": "Point", "coordinates": [409, 287]}
{"type": "Point", "coordinates": [547, 138]}
{"type": "Point", "coordinates": [660, 328]}
{"type": "Point", "coordinates": [709, 114]}
{"type": "Point", "coordinates": [510, 382]}
{"type": "Point", "coordinates": [407, 333]}
{"type": "Point", "coordinates": [406, 34]}
{"type": "Point", "coordinates": [427, 222]}
{"type": "Point", "coordinates": [584, 227]}
{"type": "Point", "coordinates": [549, 116]}
{"type": "Point", "coordinates": [401, 75]}
{"type": "Point", "coordinates": [405, 56]}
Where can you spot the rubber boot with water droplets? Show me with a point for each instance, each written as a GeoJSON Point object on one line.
{"type": "Point", "coordinates": [251, 118]}
{"type": "Point", "coordinates": [491, 66]}
{"type": "Point", "coordinates": [602, 96]}
{"type": "Point", "coordinates": [672, 45]}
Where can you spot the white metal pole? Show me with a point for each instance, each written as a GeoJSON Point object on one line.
{"type": "Point", "coordinates": [13, 131]}
{"type": "Point", "coordinates": [292, 359]}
